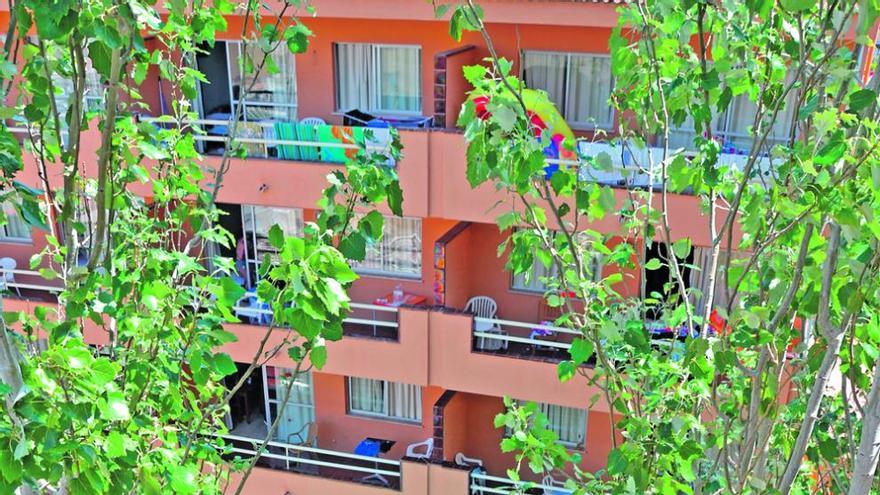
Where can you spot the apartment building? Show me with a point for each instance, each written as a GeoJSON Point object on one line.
{"type": "Point", "coordinates": [440, 332]}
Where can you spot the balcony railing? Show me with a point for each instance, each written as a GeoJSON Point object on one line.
{"type": "Point", "coordinates": [484, 484]}
{"type": "Point", "coordinates": [216, 131]}
{"type": "Point", "coordinates": [318, 462]}
{"type": "Point", "coordinates": [543, 341]}
{"type": "Point", "coordinates": [10, 282]}
{"type": "Point", "coordinates": [358, 324]}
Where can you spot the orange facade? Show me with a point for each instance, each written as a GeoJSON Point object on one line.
{"type": "Point", "coordinates": [461, 378]}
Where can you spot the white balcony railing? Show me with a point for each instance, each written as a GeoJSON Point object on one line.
{"type": "Point", "coordinates": [261, 314]}
{"type": "Point", "coordinates": [297, 456]}
{"type": "Point", "coordinates": [492, 336]}
{"type": "Point", "coordinates": [484, 484]}
{"type": "Point", "coordinates": [13, 284]}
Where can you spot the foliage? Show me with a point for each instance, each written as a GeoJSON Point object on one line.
{"type": "Point", "coordinates": [791, 226]}
{"type": "Point", "coordinates": [139, 414]}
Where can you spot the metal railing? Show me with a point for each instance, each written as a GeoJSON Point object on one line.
{"type": "Point", "coordinates": [489, 334]}
{"type": "Point", "coordinates": [263, 313]}
{"type": "Point", "coordinates": [482, 484]}
{"type": "Point", "coordinates": [269, 141]}
{"type": "Point", "coordinates": [294, 456]}
{"type": "Point", "coordinates": [11, 283]}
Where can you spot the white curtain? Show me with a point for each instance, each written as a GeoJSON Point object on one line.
{"type": "Point", "coordinates": [532, 280]}
{"type": "Point", "coordinates": [15, 228]}
{"type": "Point", "coordinates": [366, 395]}
{"type": "Point", "coordinates": [256, 222]}
{"type": "Point", "coordinates": [546, 71]}
{"type": "Point", "coordinates": [404, 401]}
{"type": "Point", "coordinates": [399, 252]}
{"type": "Point", "coordinates": [568, 422]}
{"type": "Point", "coordinates": [353, 61]}
{"type": "Point", "coordinates": [271, 94]}
{"type": "Point", "coordinates": [590, 88]}
{"type": "Point", "coordinates": [398, 79]}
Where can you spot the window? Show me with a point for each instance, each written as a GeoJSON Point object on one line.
{"type": "Point", "coordinates": [385, 399]}
{"type": "Point", "coordinates": [533, 280]}
{"type": "Point", "coordinates": [578, 83]}
{"type": "Point", "coordinates": [300, 408]}
{"type": "Point", "coordinates": [733, 127]}
{"type": "Point", "coordinates": [269, 95]}
{"type": "Point", "coordinates": [569, 423]}
{"type": "Point", "coordinates": [378, 78]}
{"type": "Point", "coordinates": [93, 96]}
{"type": "Point", "coordinates": [399, 253]}
{"type": "Point", "coordinates": [14, 228]}
{"type": "Point", "coordinates": [254, 244]}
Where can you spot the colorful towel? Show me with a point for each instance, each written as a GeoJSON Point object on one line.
{"type": "Point", "coordinates": [338, 134]}
{"type": "Point", "coordinates": [286, 131]}
{"type": "Point", "coordinates": [305, 132]}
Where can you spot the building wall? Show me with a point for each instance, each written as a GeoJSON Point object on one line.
{"type": "Point", "coordinates": [338, 430]}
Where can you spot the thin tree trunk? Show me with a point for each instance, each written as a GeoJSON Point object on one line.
{"type": "Point", "coordinates": [865, 464]}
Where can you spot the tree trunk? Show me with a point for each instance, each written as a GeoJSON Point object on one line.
{"type": "Point", "coordinates": [10, 371]}
{"type": "Point", "coordinates": [865, 464]}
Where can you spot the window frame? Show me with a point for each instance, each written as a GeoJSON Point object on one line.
{"type": "Point", "coordinates": [234, 102]}
{"type": "Point", "coordinates": [581, 446]}
{"type": "Point", "coordinates": [373, 80]}
{"type": "Point", "coordinates": [574, 124]}
{"type": "Point", "coordinates": [373, 272]}
{"type": "Point", "coordinates": [597, 263]}
{"type": "Point", "coordinates": [386, 414]}
{"type": "Point", "coordinates": [5, 236]}
{"type": "Point", "coordinates": [251, 260]}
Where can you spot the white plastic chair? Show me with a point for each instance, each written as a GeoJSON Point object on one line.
{"type": "Point", "coordinates": [427, 445]}
{"type": "Point", "coordinates": [313, 121]}
{"type": "Point", "coordinates": [486, 307]}
{"type": "Point", "coordinates": [6, 276]}
{"type": "Point", "coordinates": [549, 481]}
{"type": "Point", "coordinates": [482, 306]}
{"type": "Point", "coordinates": [465, 461]}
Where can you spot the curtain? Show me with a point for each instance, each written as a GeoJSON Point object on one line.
{"type": "Point", "coordinates": [404, 401]}
{"type": "Point", "coordinates": [546, 71]}
{"type": "Point", "coordinates": [398, 79]}
{"type": "Point", "coordinates": [366, 395]}
{"type": "Point", "coordinates": [568, 422]}
{"type": "Point", "coordinates": [352, 76]}
{"type": "Point", "coordinates": [16, 227]}
{"type": "Point", "coordinates": [399, 252]}
{"type": "Point", "coordinates": [532, 280]}
{"type": "Point", "coordinates": [590, 88]}
{"type": "Point", "coordinates": [272, 92]}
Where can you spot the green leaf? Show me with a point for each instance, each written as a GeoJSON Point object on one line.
{"type": "Point", "coordinates": [566, 370]}
{"type": "Point", "coordinates": [682, 248]}
{"type": "Point", "coordinates": [581, 350]}
{"type": "Point", "coordinates": [318, 356]}
{"type": "Point", "coordinates": [861, 99]}
{"type": "Point", "coordinates": [798, 5]}
{"type": "Point", "coordinates": [653, 264]}
{"type": "Point", "coordinates": [276, 236]}
{"type": "Point", "coordinates": [114, 408]}
{"type": "Point", "coordinates": [354, 246]}
{"type": "Point", "coordinates": [223, 365]}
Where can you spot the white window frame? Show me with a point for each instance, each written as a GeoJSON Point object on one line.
{"type": "Point", "coordinates": [388, 272]}
{"type": "Point", "coordinates": [252, 262]}
{"type": "Point", "coordinates": [574, 124]}
{"type": "Point", "coordinates": [373, 80]}
{"type": "Point", "coordinates": [5, 235]}
{"type": "Point", "coordinates": [386, 414]}
{"type": "Point", "coordinates": [234, 102]}
{"type": "Point", "coordinates": [518, 281]}
{"type": "Point", "coordinates": [577, 445]}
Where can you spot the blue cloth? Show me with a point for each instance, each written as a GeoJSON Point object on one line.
{"type": "Point", "coordinates": [367, 447]}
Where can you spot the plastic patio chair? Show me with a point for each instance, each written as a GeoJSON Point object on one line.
{"type": "Point", "coordinates": [486, 307]}
{"type": "Point", "coordinates": [412, 450]}
{"type": "Point", "coordinates": [313, 121]}
{"type": "Point", "coordinates": [463, 460]}
{"type": "Point", "coordinates": [550, 486]}
{"type": "Point", "coordinates": [6, 276]}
